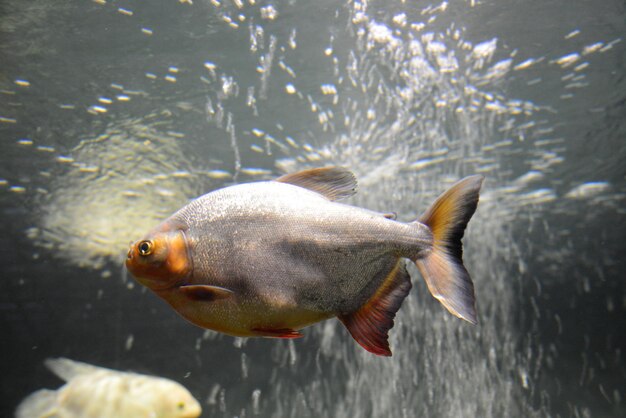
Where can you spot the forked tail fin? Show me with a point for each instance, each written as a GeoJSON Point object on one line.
{"type": "Point", "coordinates": [38, 404]}
{"type": "Point", "coordinates": [442, 268]}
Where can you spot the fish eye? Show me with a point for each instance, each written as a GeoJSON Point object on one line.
{"type": "Point", "coordinates": [145, 247]}
{"type": "Point", "coordinates": [181, 405]}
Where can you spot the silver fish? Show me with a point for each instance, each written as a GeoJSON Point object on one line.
{"type": "Point", "coordinates": [270, 258]}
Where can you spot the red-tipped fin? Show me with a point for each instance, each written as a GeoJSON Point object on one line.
{"type": "Point", "coordinates": [443, 268]}
{"type": "Point", "coordinates": [205, 292]}
{"type": "Point", "coordinates": [332, 182]}
{"type": "Point", "coordinates": [370, 324]}
{"type": "Point", "coordinates": [278, 333]}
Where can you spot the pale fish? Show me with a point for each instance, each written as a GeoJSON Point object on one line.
{"type": "Point", "coordinates": [96, 392]}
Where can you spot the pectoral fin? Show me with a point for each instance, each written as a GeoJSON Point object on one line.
{"type": "Point", "coordinates": [206, 292]}
{"type": "Point", "coordinates": [332, 182]}
{"type": "Point", "coordinates": [370, 324]}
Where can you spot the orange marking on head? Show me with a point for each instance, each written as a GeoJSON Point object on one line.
{"type": "Point", "coordinates": [178, 258]}
{"type": "Point", "coordinates": [161, 259]}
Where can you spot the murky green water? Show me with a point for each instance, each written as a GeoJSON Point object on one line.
{"type": "Point", "coordinates": [113, 114]}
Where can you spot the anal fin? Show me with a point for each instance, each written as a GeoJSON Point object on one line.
{"type": "Point", "coordinates": [278, 333]}
{"type": "Point", "coordinates": [370, 324]}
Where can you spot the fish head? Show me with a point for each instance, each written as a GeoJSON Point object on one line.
{"type": "Point", "coordinates": [178, 402]}
{"type": "Point", "coordinates": [161, 259]}
{"type": "Point", "coordinates": [160, 398]}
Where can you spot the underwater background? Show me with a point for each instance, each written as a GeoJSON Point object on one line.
{"type": "Point", "coordinates": [113, 114]}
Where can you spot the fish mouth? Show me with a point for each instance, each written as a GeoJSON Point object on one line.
{"type": "Point", "coordinates": [130, 256]}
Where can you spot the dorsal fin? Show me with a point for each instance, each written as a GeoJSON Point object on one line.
{"type": "Point", "coordinates": [332, 182]}
{"type": "Point", "coordinates": [370, 324]}
{"type": "Point", "coordinates": [67, 369]}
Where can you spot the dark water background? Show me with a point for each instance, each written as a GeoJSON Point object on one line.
{"type": "Point", "coordinates": [190, 111]}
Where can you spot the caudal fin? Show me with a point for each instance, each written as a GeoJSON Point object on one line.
{"type": "Point", "coordinates": [39, 404]}
{"type": "Point", "coordinates": [443, 269]}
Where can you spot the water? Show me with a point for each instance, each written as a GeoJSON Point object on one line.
{"type": "Point", "coordinates": [114, 114]}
